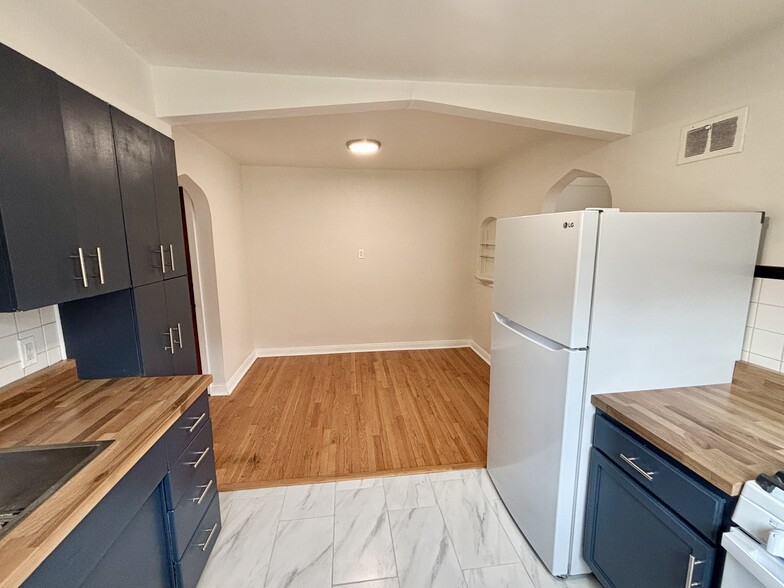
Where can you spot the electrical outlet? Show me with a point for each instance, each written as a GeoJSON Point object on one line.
{"type": "Point", "coordinates": [27, 351]}
{"type": "Point", "coordinates": [361, 254]}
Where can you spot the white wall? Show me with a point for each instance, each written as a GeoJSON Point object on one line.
{"type": "Point", "coordinates": [304, 227]}
{"type": "Point", "coordinates": [641, 169]}
{"type": "Point", "coordinates": [219, 177]}
{"type": "Point", "coordinates": [63, 36]}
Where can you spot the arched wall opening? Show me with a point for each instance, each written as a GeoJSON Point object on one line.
{"type": "Point", "coordinates": [198, 220]}
{"type": "Point", "coordinates": [578, 190]}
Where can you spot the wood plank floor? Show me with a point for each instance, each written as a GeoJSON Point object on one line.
{"type": "Point", "coordinates": [351, 415]}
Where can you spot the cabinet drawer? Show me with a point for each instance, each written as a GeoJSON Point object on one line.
{"type": "Point", "coordinates": [187, 513]}
{"type": "Point", "coordinates": [700, 504]}
{"type": "Point", "coordinates": [188, 570]}
{"type": "Point", "coordinates": [195, 467]}
{"type": "Point", "coordinates": [181, 433]}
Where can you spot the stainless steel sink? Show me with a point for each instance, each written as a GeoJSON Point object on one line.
{"type": "Point", "coordinates": [29, 475]}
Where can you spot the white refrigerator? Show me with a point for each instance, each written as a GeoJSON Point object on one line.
{"type": "Point", "coordinates": [594, 302]}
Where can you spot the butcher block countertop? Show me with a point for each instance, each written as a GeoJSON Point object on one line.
{"type": "Point", "coordinates": [54, 406]}
{"type": "Point", "coordinates": [726, 434]}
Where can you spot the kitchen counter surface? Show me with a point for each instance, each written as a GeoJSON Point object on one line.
{"type": "Point", "coordinates": [727, 433]}
{"type": "Point", "coordinates": [54, 406]}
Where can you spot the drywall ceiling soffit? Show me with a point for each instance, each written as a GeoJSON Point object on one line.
{"type": "Point", "coordinates": [185, 96]}
{"type": "Point", "coordinates": [411, 140]}
{"type": "Point", "coordinates": [618, 44]}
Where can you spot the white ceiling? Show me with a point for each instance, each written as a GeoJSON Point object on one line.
{"type": "Point", "coordinates": [410, 139]}
{"type": "Point", "coordinates": [573, 43]}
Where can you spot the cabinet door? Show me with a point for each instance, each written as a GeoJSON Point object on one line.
{"type": "Point", "coordinates": [38, 216]}
{"type": "Point", "coordinates": [140, 555]}
{"type": "Point", "coordinates": [152, 324]}
{"type": "Point", "coordinates": [167, 199]}
{"type": "Point", "coordinates": [95, 187]}
{"type": "Point", "coordinates": [632, 539]}
{"type": "Point", "coordinates": [132, 146]}
{"type": "Point", "coordinates": [180, 310]}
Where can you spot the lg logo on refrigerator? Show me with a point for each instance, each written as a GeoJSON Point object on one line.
{"type": "Point", "coordinates": [568, 225]}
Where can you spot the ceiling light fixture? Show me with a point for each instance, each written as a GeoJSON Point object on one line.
{"type": "Point", "coordinates": [363, 146]}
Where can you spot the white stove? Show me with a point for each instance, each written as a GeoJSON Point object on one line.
{"type": "Point", "coordinates": [755, 547]}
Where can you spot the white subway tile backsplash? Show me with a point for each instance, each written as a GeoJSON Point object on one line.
{"type": "Point", "coordinates": [51, 335]}
{"type": "Point", "coordinates": [770, 318]}
{"type": "Point", "coordinates": [764, 341]}
{"type": "Point", "coordinates": [43, 326]}
{"type": "Point", "coordinates": [9, 351]}
{"type": "Point", "coordinates": [48, 314]}
{"type": "Point", "coordinates": [27, 319]}
{"type": "Point", "coordinates": [772, 292]}
{"type": "Point", "coordinates": [765, 362]}
{"type": "Point", "coordinates": [768, 344]}
{"type": "Point", "coordinates": [7, 324]}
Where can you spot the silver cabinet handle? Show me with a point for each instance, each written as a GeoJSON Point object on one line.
{"type": "Point", "coordinates": [163, 260]}
{"type": "Point", "coordinates": [209, 537]}
{"type": "Point", "coordinates": [170, 335]}
{"type": "Point", "coordinates": [100, 265]}
{"type": "Point", "coordinates": [693, 561]}
{"type": "Point", "coordinates": [201, 454]}
{"type": "Point", "coordinates": [199, 419]}
{"type": "Point", "coordinates": [179, 334]}
{"type": "Point", "coordinates": [171, 255]}
{"type": "Point", "coordinates": [98, 255]}
{"type": "Point", "coordinates": [206, 487]}
{"type": "Point", "coordinates": [83, 277]}
{"type": "Point", "coordinates": [642, 472]}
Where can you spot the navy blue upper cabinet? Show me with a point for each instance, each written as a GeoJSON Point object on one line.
{"type": "Point", "coordinates": [39, 231]}
{"type": "Point", "coordinates": [168, 205]}
{"type": "Point", "coordinates": [137, 186]}
{"type": "Point", "coordinates": [62, 226]}
{"type": "Point", "coordinates": [95, 188]}
{"type": "Point", "coordinates": [150, 200]}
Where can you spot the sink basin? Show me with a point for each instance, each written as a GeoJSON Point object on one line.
{"type": "Point", "coordinates": [29, 475]}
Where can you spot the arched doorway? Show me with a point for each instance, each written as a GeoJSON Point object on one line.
{"type": "Point", "coordinates": [578, 190]}
{"type": "Point", "coordinates": [198, 220]}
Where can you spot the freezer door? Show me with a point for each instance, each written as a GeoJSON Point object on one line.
{"type": "Point", "coordinates": [536, 392]}
{"type": "Point", "coordinates": [544, 273]}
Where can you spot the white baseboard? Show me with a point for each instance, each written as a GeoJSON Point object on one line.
{"type": "Point", "coordinates": [361, 348]}
{"type": "Point", "coordinates": [227, 388]}
{"type": "Point", "coordinates": [479, 351]}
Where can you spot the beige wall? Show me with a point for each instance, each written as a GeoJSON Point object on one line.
{"type": "Point", "coordinates": [641, 169]}
{"type": "Point", "coordinates": [304, 227]}
{"type": "Point", "coordinates": [218, 176]}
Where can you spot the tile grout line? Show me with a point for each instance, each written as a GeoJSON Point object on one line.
{"type": "Point", "coordinates": [275, 539]}
{"type": "Point", "coordinates": [391, 538]}
{"type": "Point", "coordinates": [448, 532]}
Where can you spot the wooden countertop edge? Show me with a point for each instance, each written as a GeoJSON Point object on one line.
{"type": "Point", "coordinates": [14, 573]}
{"type": "Point", "coordinates": [732, 489]}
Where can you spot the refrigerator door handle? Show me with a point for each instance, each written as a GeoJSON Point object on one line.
{"type": "Point", "coordinates": [530, 335]}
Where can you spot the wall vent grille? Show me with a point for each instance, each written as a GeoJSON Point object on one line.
{"type": "Point", "coordinates": [713, 137]}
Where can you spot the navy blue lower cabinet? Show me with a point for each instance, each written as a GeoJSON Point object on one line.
{"type": "Point", "coordinates": [632, 540]}
{"type": "Point", "coordinates": [138, 536]}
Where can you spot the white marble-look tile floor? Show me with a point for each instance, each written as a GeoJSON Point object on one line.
{"type": "Point", "coordinates": [446, 529]}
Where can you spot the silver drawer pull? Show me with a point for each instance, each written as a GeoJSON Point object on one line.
{"type": "Point", "coordinates": [209, 537]}
{"type": "Point", "coordinates": [206, 487]}
{"type": "Point", "coordinates": [201, 454]}
{"type": "Point", "coordinates": [199, 419]}
{"type": "Point", "coordinates": [98, 255]}
{"type": "Point", "coordinates": [690, 572]}
{"type": "Point", "coordinates": [642, 472]}
{"type": "Point", "coordinates": [171, 255]}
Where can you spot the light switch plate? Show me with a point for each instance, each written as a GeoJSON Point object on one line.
{"type": "Point", "coordinates": [27, 351]}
